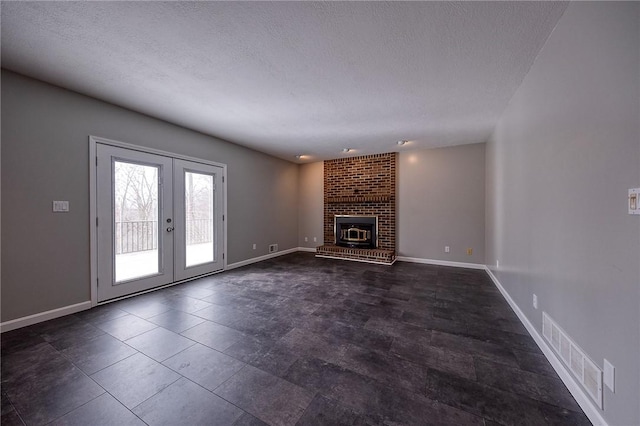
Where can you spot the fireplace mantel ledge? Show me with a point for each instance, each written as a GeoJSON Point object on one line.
{"type": "Point", "coordinates": [359, 199]}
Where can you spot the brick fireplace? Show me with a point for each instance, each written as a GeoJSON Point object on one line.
{"type": "Point", "coordinates": [361, 186]}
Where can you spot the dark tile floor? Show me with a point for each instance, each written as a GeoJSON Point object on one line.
{"type": "Point", "coordinates": [293, 340]}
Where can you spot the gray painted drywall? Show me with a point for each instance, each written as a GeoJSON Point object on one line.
{"type": "Point", "coordinates": [311, 202]}
{"type": "Point", "coordinates": [560, 163]}
{"type": "Point", "coordinates": [441, 203]}
{"type": "Point", "coordinates": [45, 129]}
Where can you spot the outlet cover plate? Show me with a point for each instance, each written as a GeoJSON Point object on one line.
{"type": "Point", "coordinates": [61, 206]}
{"type": "Point", "coordinates": [634, 201]}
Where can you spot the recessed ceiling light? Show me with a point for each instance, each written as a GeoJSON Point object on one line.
{"type": "Point", "coordinates": [346, 149]}
{"type": "Point", "coordinates": [299, 156]}
{"type": "Point", "coordinates": [402, 142]}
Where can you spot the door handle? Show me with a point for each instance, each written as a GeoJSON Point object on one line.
{"type": "Point", "coordinates": [169, 229]}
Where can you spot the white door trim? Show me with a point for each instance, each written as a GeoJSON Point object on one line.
{"type": "Point", "coordinates": [93, 240]}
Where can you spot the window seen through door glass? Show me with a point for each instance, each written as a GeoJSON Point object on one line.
{"type": "Point", "coordinates": [199, 214]}
{"type": "Point", "coordinates": [136, 221]}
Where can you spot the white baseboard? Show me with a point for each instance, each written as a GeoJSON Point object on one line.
{"type": "Point", "coordinates": [441, 262]}
{"type": "Point", "coordinates": [260, 258]}
{"type": "Point", "coordinates": [583, 400]}
{"type": "Point", "coordinates": [43, 316]}
{"type": "Point", "coordinates": [309, 249]}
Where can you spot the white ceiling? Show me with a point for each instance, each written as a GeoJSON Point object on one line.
{"type": "Point", "coordinates": [291, 78]}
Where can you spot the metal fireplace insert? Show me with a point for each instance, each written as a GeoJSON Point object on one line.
{"type": "Point", "coordinates": [356, 231]}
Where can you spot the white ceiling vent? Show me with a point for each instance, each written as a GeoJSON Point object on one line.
{"type": "Point", "coordinates": [586, 371]}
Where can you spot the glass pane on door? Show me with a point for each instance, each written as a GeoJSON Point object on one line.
{"type": "Point", "coordinates": [135, 188]}
{"type": "Point", "coordinates": [199, 214]}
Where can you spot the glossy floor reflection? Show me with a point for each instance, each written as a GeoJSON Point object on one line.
{"type": "Point", "coordinates": [292, 340]}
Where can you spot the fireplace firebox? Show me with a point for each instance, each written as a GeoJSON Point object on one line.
{"type": "Point", "coordinates": [356, 231]}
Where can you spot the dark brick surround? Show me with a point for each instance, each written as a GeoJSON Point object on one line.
{"type": "Point", "coordinates": [363, 186]}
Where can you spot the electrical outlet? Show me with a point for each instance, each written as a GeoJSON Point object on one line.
{"type": "Point", "coordinates": [535, 301]}
{"type": "Point", "coordinates": [254, 246]}
{"type": "Point", "coordinates": [497, 264]}
{"type": "Point", "coordinates": [315, 239]}
{"type": "Point", "coordinates": [447, 249]}
{"type": "Point", "coordinates": [306, 239]}
{"type": "Point", "coordinates": [469, 251]}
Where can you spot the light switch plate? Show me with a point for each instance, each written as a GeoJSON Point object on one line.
{"type": "Point", "coordinates": [61, 206]}
{"type": "Point", "coordinates": [634, 201]}
{"type": "Point", "coordinates": [610, 376]}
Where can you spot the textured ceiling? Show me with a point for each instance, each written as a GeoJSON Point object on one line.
{"type": "Point", "coordinates": [291, 78]}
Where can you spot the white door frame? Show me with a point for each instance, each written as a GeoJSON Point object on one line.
{"type": "Point", "coordinates": [93, 238]}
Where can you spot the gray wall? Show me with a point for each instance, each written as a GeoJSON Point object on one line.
{"type": "Point", "coordinates": [45, 129]}
{"type": "Point", "coordinates": [441, 203]}
{"type": "Point", "coordinates": [559, 166]}
{"type": "Point", "coordinates": [311, 202]}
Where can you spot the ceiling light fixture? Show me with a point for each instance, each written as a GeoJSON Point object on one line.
{"type": "Point", "coordinates": [402, 142]}
{"type": "Point", "coordinates": [346, 149]}
{"type": "Point", "coordinates": [299, 156]}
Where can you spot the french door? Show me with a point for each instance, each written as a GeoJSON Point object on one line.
{"type": "Point", "coordinates": [198, 219]}
{"type": "Point", "coordinates": [159, 220]}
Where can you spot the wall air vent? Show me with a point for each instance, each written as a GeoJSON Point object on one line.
{"type": "Point", "coordinates": [589, 375]}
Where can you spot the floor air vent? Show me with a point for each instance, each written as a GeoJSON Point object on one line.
{"type": "Point", "coordinates": [585, 370]}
